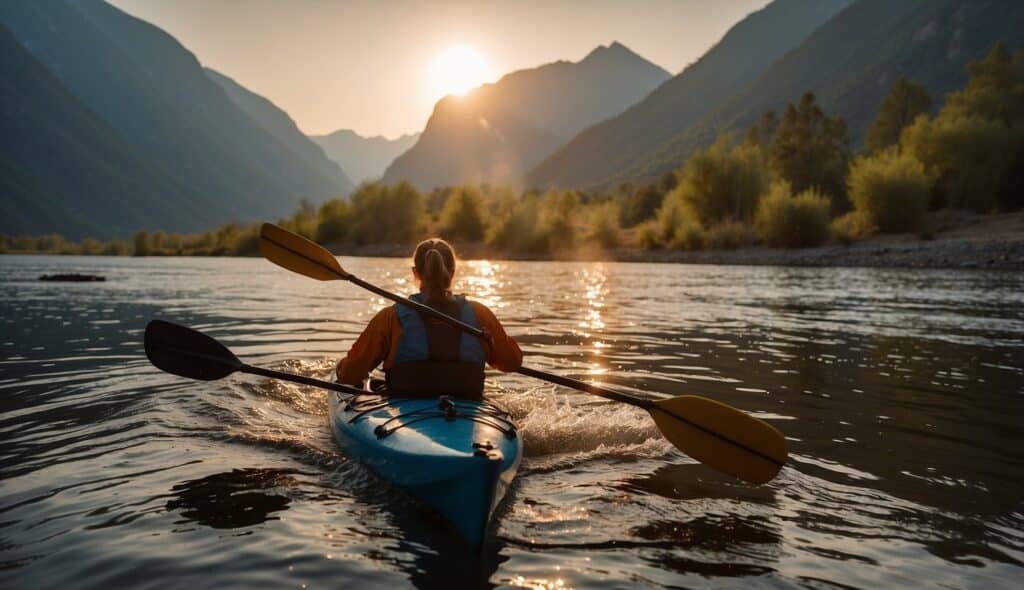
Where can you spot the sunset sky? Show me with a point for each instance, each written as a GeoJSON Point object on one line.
{"type": "Point", "coordinates": [378, 67]}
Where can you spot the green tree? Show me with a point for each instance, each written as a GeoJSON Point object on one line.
{"type": "Point", "coordinates": [557, 211]}
{"type": "Point", "coordinates": [91, 247]}
{"type": "Point", "coordinates": [974, 147]}
{"type": "Point", "coordinates": [809, 150]}
{"type": "Point", "coordinates": [603, 224]}
{"type": "Point", "coordinates": [140, 243]}
{"type": "Point", "coordinates": [668, 182]}
{"type": "Point", "coordinates": [516, 228]}
{"type": "Point", "coordinates": [905, 102]}
{"type": "Point", "coordinates": [464, 215]}
{"type": "Point", "coordinates": [994, 91]}
{"type": "Point", "coordinates": [157, 240]}
{"type": "Point", "coordinates": [387, 214]}
{"type": "Point", "coordinates": [763, 133]}
{"type": "Point", "coordinates": [722, 182]}
{"type": "Point", "coordinates": [50, 243]}
{"type": "Point", "coordinates": [334, 219]}
{"type": "Point", "coordinates": [641, 204]}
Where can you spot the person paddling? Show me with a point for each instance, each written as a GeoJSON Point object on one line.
{"type": "Point", "coordinates": [423, 356]}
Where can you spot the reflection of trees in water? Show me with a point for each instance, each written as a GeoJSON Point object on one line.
{"type": "Point", "coordinates": [233, 499]}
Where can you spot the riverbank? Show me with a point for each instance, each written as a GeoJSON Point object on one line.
{"type": "Point", "coordinates": [957, 240]}
{"type": "Point", "coordinates": [960, 240]}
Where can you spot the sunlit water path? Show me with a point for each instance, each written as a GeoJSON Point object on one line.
{"type": "Point", "coordinates": [901, 393]}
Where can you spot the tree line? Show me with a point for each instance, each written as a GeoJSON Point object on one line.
{"type": "Point", "coordinates": [790, 181]}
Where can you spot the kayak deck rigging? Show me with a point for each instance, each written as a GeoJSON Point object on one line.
{"type": "Point", "coordinates": [447, 408]}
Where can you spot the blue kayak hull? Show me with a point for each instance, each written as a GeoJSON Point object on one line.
{"type": "Point", "coordinates": [457, 457]}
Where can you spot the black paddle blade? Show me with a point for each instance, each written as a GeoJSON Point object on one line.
{"type": "Point", "coordinates": [183, 351]}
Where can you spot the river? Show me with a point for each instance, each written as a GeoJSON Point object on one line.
{"type": "Point", "coordinates": [901, 393]}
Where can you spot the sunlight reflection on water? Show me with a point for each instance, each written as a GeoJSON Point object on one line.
{"type": "Point", "coordinates": [899, 391]}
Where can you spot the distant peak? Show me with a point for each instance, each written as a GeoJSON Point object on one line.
{"type": "Point", "coordinates": [615, 48]}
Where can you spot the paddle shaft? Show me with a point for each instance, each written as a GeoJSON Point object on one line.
{"type": "Point", "coordinates": [587, 387]}
{"type": "Point", "coordinates": [299, 379]}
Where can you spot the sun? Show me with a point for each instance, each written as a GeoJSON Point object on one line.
{"type": "Point", "coordinates": [457, 70]}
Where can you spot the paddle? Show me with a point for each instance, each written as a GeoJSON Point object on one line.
{"type": "Point", "coordinates": [714, 433]}
{"type": "Point", "coordinates": [187, 353]}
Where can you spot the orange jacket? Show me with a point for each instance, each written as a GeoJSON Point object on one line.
{"type": "Point", "coordinates": [378, 344]}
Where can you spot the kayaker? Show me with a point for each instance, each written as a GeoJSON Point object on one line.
{"type": "Point", "coordinates": [423, 356]}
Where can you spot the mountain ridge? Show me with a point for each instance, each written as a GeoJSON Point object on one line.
{"type": "Point", "coordinates": [166, 108]}
{"type": "Point", "coordinates": [928, 41]}
{"type": "Point", "coordinates": [363, 158]}
{"type": "Point", "coordinates": [617, 142]}
{"type": "Point", "coordinates": [497, 131]}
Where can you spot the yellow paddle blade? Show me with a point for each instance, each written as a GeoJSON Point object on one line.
{"type": "Point", "coordinates": [722, 437]}
{"type": "Point", "coordinates": [298, 254]}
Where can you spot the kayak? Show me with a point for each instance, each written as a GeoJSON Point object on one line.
{"type": "Point", "coordinates": [457, 456]}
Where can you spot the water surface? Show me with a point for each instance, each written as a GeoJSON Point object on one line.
{"type": "Point", "coordinates": [901, 394]}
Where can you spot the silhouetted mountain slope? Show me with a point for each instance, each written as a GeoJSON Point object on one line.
{"type": "Point", "coordinates": [499, 131]}
{"type": "Point", "coordinates": [747, 49]}
{"type": "Point", "coordinates": [154, 94]}
{"type": "Point", "coordinates": [363, 158]}
{"type": "Point", "coordinates": [277, 122]}
{"type": "Point", "coordinates": [851, 62]}
{"type": "Point", "coordinates": [63, 169]}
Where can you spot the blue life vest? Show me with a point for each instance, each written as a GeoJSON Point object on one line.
{"type": "Point", "coordinates": [435, 358]}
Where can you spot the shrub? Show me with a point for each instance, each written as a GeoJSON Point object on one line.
{"type": "Point", "coordinates": [91, 247]}
{"type": "Point", "coordinates": [689, 235]}
{"type": "Point", "coordinates": [140, 243]}
{"type": "Point", "coordinates": [116, 248]}
{"type": "Point", "coordinates": [851, 227]}
{"type": "Point", "coordinates": [604, 225]}
{"type": "Point", "coordinates": [174, 243]}
{"type": "Point", "coordinates": [642, 204]}
{"type": "Point", "coordinates": [334, 220]}
{"type": "Point", "coordinates": [728, 235]}
{"type": "Point", "coordinates": [891, 189]}
{"type": "Point", "coordinates": [967, 155]}
{"type": "Point", "coordinates": [386, 214]}
{"type": "Point", "coordinates": [792, 222]}
{"type": "Point", "coordinates": [648, 236]}
{"type": "Point", "coordinates": [557, 228]}
{"type": "Point", "coordinates": [50, 243]}
{"type": "Point", "coordinates": [722, 182]}
{"type": "Point", "coordinates": [673, 213]}
{"type": "Point", "coordinates": [517, 228]}
{"type": "Point", "coordinates": [463, 217]}
{"type": "Point", "coordinates": [246, 242]}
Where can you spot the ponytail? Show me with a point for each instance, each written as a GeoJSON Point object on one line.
{"type": "Point", "coordinates": [435, 263]}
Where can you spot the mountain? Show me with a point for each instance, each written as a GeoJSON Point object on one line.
{"type": "Point", "coordinates": [277, 123]}
{"type": "Point", "coordinates": [851, 62]}
{"type": "Point", "coordinates": [63, 168]}
{"type": "Point", "coordinates": [604, 150]}
{"type": "Point", "coordinates": [364, 158]}
{"type": "Point", "coordinates": [498, 131]}
{"type": "Point", "coordinates": [155, 97]}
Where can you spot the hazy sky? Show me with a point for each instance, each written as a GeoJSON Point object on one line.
{"type": "Point", "coordinates": [367, 65]}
